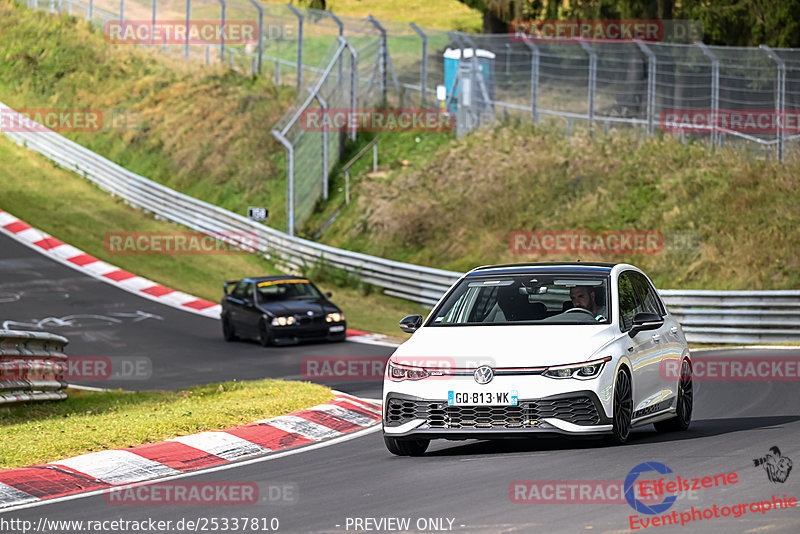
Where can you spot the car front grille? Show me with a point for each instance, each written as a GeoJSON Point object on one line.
{"type": "Point", "coordinates": [306, 320]}
{"type": "Point", "coordinates": [528, 414]}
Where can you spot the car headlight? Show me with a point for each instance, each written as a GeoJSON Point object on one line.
{"type": "Point", "coordinates": [283, 321]}
{"type": "Point", "coordinates": [398, 372]}
{"type": "Point", "coordinates": [334, 317]}
{"type": "Point", "coordinates": [581, 371]}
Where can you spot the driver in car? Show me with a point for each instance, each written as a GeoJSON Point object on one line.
{"type": "Point", "coordinates": [583, 297]}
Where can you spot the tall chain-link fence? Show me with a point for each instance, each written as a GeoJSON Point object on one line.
{"type": "Point", "coordinates": [743, 97]}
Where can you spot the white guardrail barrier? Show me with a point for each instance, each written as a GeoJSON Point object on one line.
{"type": "Point", "coordinates": [32, 367]}
{"type": "Point", "coordinates": [707, 316]}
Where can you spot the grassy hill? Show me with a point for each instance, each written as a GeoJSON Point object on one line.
{"type": "Point", "coordinates": [728, 221]}
{"type": "Point", "coordinates": [203, 130]}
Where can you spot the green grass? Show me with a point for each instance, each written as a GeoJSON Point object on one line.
{"type": "Point", "coordinates": [90, 421]}
{"type": "Point", "coordinates": [203, 130]}
{"type": "Point", "coordinates": [728, 221]}
{"type": "Point", "coordinates": [35, 191]}
{"type": "Point", "coordinates": [441, 14]}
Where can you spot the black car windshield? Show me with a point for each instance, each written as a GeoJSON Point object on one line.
{"type": "Point", "coordinates": [528, 299]}
{"type": "Point", "coordinates": [273, 290]}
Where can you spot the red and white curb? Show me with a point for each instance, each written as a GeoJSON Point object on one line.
{"type": "Point", "coordinates": [77, 259]}
{"type": "Point", "coordinates": [111, 468]}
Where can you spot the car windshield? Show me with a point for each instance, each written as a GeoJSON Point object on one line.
{"type": "Point", "coordinates": [273, 290]}
{"type": "Point", "coordinates": [529, 299]}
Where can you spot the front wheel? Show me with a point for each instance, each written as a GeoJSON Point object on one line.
{"type": "Point", "coordinates": [406, 447]}
{"type": "Point", "coordinates": [264, 337]}
{"type": "Point", "coordinates": [227, 329]}
{"type": "Point", "coordinates": [683, 416]}
{"type": "Point", "coordinates": [623, 408]}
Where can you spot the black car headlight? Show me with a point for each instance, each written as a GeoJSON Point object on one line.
{"type": "Point", "coordinates": [581, 371]}
{"type": "Point", "coordinates": [283, 320]}
{"type": "Point", "coordinates": [335, 317]}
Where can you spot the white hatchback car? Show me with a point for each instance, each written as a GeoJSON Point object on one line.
{"type": "Point", "coordinates": [549, 348]}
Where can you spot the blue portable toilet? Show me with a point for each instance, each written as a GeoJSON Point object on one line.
{"type": "Point", "coordinates": [452, 59]}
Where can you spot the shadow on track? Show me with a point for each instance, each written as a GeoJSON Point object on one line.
{"type": "Point", "coordinates": [698, 430]}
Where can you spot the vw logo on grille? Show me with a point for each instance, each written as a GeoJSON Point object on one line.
{"type": "Point", "coordinates": [483, 374]}
{"type": "Point", "coordinates": [310, 313]}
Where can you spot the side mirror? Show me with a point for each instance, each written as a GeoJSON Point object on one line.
{"type": "Point", "coordinates": [643, 321]}
{"type": "Point", "coordinates": [411, 323]}
{"type": "Point", "coordinates": [328, 295]}
{"type": "Point", "coordinates": [248, 302]}
{"type": "Point", "coordinates": [228, 285]}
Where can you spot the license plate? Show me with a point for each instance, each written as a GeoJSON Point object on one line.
{"type": "Point", "coordinates": [339, 328]}
{"type": "Point", "coordinates": [483, 398]}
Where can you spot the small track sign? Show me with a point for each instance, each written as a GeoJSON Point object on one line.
{"type": "Point", "coordinates": [257, 214]}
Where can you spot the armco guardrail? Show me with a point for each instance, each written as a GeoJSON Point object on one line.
{"type": "Point", "coordinates": [32, 366]}
{"type": "Point", "coordinates": [413, 282]}
{"type": "Point", "coordinates": [736, 316]}
{"type": "Point", "coordinates": [709, 316]}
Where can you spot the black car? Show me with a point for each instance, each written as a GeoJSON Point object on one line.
{"type": "Point", "coordinates": [280, 310]}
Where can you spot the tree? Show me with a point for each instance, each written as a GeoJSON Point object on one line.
{"type": "Point", "coordinates": [725, 22]}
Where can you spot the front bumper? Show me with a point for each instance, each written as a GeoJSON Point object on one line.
{"type": "Point", "coordinates": [287, 335]}
{"type": "Point", "coordinates": [574, 413]}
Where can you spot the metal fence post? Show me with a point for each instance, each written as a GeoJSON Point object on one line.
{"type": "Point", "coordinates": [592, 81]}
{"type": "Point", "coordinates": [261, 36]}
{"type": "Point", "coordinates": [353, 81]}
{"type": "Point", "coordinates": [188, 17]}
{"type": "Point", "coordinates": [153, 23]}
{"type": "Point", "coordinates": [477, 72]}
{"type": "Point", "coordinates": [91, 10]}
{"type": "Point", "coordinates": [534, 81]}
{"type": "Point", "coordinates": [714, 90]}
{"type": "Point", "coordinates": [780, 98]}
{"type": "Point", "coordinates": [384, 63]}
{"type": "Point", "coordinates": [223, 9]}
{"type": "Point", "coordinates": [423, 74]}
{"type": "Point", "coordinates": [651, 86]}
{"type": "Point", "coordinates": [121, 10]}
{"type": "Point", "coordinates": [289, 180]}
{"type": "Point", "coordinates": [324, 106]}
{"type": "Point", "coordinates": [340, 24]}
{"type": "Point", "coordinates": [299, 45]}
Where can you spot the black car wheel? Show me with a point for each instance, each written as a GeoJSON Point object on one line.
{"type": "Point", "coordinates": [623, 408]}
{"type": "Point", "coordinates": [406, 447]}
{"type": "Point", "coordinates": [683, 416]}
{"type": "Point", "coordinates": [227, 329]}
{"type": "Point", "coordinates": [264, 337]}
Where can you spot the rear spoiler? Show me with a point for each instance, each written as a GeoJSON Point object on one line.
{"type": "Point", "coordinates": [228, 284]}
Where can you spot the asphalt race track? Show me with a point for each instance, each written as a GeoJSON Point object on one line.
{"type": "Point", "coordinates": [336, 488]}
{"type": "Point", "coordinates": [184, 349]}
